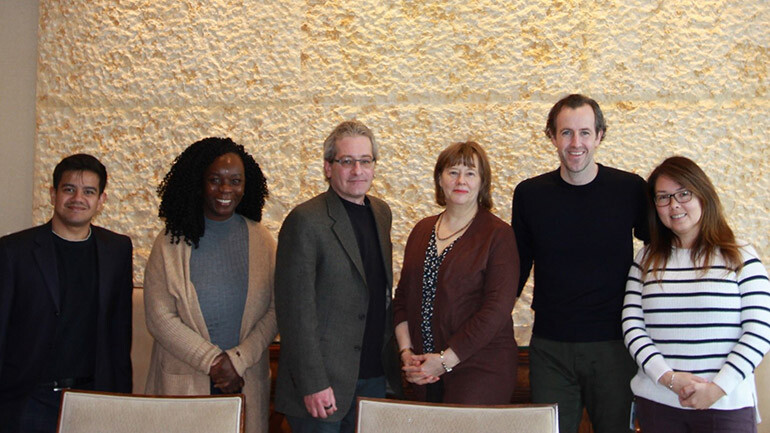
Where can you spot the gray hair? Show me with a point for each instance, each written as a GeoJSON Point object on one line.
{"type": "Point", "coordinates": [348, 128]}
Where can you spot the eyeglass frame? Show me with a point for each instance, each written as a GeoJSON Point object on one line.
{"type": "Point", "coordinates": [677, 196]}
{"type": "Point", "coordinates": [365, 163]}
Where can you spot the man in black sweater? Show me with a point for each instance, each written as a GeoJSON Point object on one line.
{"type": "Point", "coordinates": [576, 225]}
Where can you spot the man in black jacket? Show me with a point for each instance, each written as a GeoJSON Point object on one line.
{"type": "Point", "coordinates": [65, 303]}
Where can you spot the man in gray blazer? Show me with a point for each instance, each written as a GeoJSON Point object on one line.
{"type": "Point", "coordinates": [333, 284]}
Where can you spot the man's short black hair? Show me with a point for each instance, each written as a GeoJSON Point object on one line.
{"type": "Point", "coordinates": [80, 162]}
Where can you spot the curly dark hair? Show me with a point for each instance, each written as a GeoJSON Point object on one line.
{"type": "Point", "coordinates": [181, 191]}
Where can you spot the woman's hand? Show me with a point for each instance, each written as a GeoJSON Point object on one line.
{"type": "Point", "coordinates": [407, 357]}
{"type": "Point", "coordinates": [412, 367]}
{"type": "Point", "coordinates": [679, 382]}
{"type": "Point", "coordinates": [415, 369]}
{"type": "Point", "coordinates": [430, 363]}
{"type": "Point", "coordinates": [224, 376]}
{"type": "Point", "coordinates": [701, 395]}
{"type": "Point", "coordinates": [426, 368]}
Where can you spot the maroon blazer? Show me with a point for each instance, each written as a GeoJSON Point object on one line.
{"type": "Point", "coordinates": [475, 293]}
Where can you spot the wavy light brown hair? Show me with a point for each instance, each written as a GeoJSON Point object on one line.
{"type": "Point", "coordinates": [462, 153]}
{"type": "Point", "coordinates": [714, 231]}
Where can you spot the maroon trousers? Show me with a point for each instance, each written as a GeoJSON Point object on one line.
{"type": "Point", "coordinates": [658, 418]}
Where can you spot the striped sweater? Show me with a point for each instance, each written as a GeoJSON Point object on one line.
{"type": "Point", "coordinates": [713, 323]}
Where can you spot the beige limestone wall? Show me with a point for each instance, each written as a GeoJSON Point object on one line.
{"type": "Point", "coordinates": [136, 81]}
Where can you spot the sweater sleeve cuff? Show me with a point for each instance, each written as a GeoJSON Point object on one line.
{"type": "Point", "coordinates": [399, 316]}
{"type": "Point", "coordinates": [727, 379]}
{"type": "Point", "coordinates": [208, 359]}
{"type": "Point", "coordinates": [657, 367]}
{"type": "Point", "coordinates": [236, 358]}
{"type": "Point", "coordinates": [460, 349]}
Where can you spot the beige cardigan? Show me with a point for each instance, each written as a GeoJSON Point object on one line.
{"type": "Point", "coordinates": [182, 353]}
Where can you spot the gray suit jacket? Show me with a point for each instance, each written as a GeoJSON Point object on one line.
{"type": "Point", "coordinates": [321, 300]}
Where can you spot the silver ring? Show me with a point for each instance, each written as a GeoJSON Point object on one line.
{"type": "Point", "coordinates": [327, 407]}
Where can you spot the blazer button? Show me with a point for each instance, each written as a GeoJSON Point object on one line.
{"type": "Point", "coordinates": [357, 348]}
{"type": "Point", "coordinates": [361, 316]}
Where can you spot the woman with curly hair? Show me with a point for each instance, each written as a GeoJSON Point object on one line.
{"type": "Point", "coordinates": [208, 283]}
{"type": "Point", "coordinates": [695, 315]}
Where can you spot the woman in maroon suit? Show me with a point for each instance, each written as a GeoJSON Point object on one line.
{"type": "Point", "coordinates": [457, 289]}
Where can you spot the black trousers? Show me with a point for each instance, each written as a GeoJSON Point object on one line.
{"type": "Point", "coordinates": [36, 413]}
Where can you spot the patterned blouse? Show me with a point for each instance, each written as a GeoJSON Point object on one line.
{"type": "Point", "coordinates": [429, 280]}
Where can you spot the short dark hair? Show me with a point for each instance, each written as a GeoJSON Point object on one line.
{"type": "Point", "coordinates": [462, 153]}
{"type": "Point", "coordinates": [181, 192]}
{"type": "Point", "coordinates": [575, 101]}
{"type": "Point", "coordinates": [80, 162]}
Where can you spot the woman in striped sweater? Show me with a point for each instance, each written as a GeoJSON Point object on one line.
{"type": "Point", "coordinates": [696, 315]}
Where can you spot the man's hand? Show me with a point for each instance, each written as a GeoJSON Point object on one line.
{"type": "Point", "coordinates": [224, 376]}
{"type": "Point", "coordinates": [321, 404]}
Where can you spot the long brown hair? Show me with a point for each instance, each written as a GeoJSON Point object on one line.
{"type": "Point", "coordinates": [714, 232]}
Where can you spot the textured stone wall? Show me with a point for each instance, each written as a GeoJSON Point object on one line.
{"type": "Point", "coordinates": [136, 81]}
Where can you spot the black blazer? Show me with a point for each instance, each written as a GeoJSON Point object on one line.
{"type": "Point", "coordinates": [29, 305]}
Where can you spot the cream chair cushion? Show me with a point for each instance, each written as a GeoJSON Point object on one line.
{"type": "Point", "coordinates": [380, 416]}
{"type": "Point", "coordinates": [97, 412]}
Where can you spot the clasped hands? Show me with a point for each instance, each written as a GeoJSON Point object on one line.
{"type": "Point", "coordinates": [426, 368]}
{"type": "Point", "coordinates": [224, 376]}
{"type": "Point", "coordinates": [693, 391]}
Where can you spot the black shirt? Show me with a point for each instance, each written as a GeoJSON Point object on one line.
{"type": "Point", "coordinates": [74, 350]}
{"type": "Point", "coordinates": [365, 229]}
{"type": "Point", "coordinates": [580, 240]}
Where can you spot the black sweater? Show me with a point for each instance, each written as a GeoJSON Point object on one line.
{"type": "Point", "coordinates": [580, 239]}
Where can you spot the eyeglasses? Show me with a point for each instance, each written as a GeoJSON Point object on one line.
{"type": "Point", "coordinates": [348, 162]}
{"type": "Point", "coordinates": [680, 196]}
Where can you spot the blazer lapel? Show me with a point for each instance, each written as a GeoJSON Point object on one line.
{"type": "Point", "coordinates": [45, 257]}
{"type": "Point", "coordinates": [103, 263]}
{"type": "Point", "coordinates": [343, 229]}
